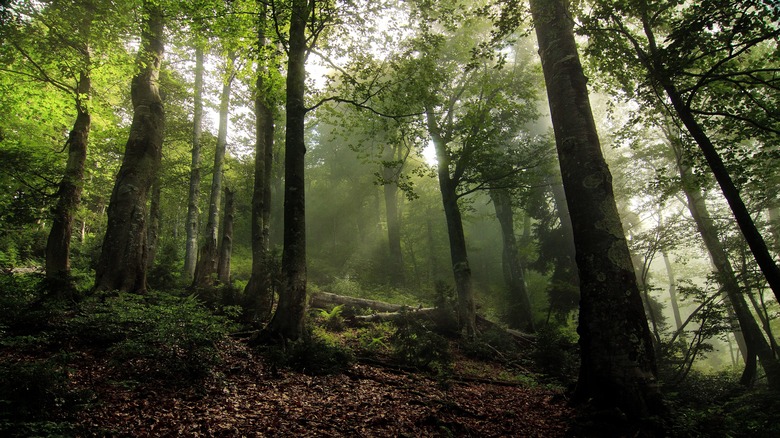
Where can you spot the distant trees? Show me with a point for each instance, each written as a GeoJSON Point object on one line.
{"type": "Point", "coordinates": [693, 54]}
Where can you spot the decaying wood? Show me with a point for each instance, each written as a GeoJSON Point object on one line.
{"type": "Point", "coordinates": [326, 300]}
{"type": "Point", "coordinates": [392, 312]}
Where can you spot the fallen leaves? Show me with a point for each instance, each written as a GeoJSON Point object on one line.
{"type": "Point", "coordinates": [245, 399]}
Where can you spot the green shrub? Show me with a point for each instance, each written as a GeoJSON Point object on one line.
{"type": "Point", "coordinates": [33, 389]}
{"type": "Point", "coordinates": [332, 320]}
{"type": "Point", "coordinates": [494, 344]}
{"type": "Point", "coordinates": [414, 344]}
{"type": "Point", "coordinates": [312, 355]}
{"type": "Point", "coordinates": [555, 354]}
{"type": "Point", "coordinates": [157, 334]}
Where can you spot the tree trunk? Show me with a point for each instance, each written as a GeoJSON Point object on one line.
{"type": "Point", "coordinates": [390, 179]}
{"type": "Point", "coordinates": [617, 359]}
{"type": "Point", "coordinates": [70, 188]}
{"type": "Point", "coordinates": [191, 247]}
{"type": "Point", "coordinates": [226, 246]}
{"type": "Point", "coordinates": [122, 263]}
{"type": "Point", "coordinates": [467, 311]}
{"type": "Point", "coordinates": [287, 322]}
{"type": "Point", "coordinates": [520, 314]}
{"type": "Point", "coordinates": [258, 290]}
{"type": "Point", "coordinates": [153, 230]}
{"type": "Point", "coordinates": [672, 291]}
{"type": "Point", "coordinates": [755, 241]}
{"type": "Point", "coordinates": [208, 258]}
{"type": "Point", "coordinates": [754, 339]}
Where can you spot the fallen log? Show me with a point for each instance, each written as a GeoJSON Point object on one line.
{"type": "Point", "coordinates": [388, 312]}
{"type": "Point", "coordinates": [327, 300]}
{"type": "Point", "coordinates": [427, 312]}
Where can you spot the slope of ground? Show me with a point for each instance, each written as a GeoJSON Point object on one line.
{"type": "Point", "coordinates": [247, 398]}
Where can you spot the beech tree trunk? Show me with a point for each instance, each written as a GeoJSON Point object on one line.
{"type": "Point", "coordinates": [617, 357]}
{"type": "Point", "coordinates": [390, 177]}
{"type": "Point", "coordinates": [153, 230]}
{"type": "Point", "coordinates": [191, 246]}
{"type": "Point", "coordinates": [70, 188]}
{"type": "Point", "coordinates": [461, 269]}
{"type": "Point", "coordinates": [672, 291]}
{"type": "Point", "coordinates": [208, 257]}
{"type": "Point", "coordinates": [226, 246]}
{"type": "Point", "coordinates": [520, 312]}
{"type": "Point", "coordinates": [288, 320]}
{"type": "Point", "coordinates": [753, 338]}
{"type": "Point", "coordinates": [258, 290]}
{"type": "Point", "coordinates": [122, 262]}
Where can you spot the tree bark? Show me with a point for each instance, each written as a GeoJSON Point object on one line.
{"type": "Point", "coordinates": [288, 320]}
{"type": "Point", "coordinates": [754, 339]}
{"type": "Point", "coordinates": [226, 246]}
{"type": "Point", "coordinates": [191, 246]}
{"type": "Point", "coordinates": [672, 291]}
{"type": "Point", "coordinates": [461, 269]}
{"type": "Point", "coordinates": [71, 185]}
{"type": "Point", "coordinates": [617, 359]}
{"type": "Point", "coordinates": [390, 179]}
{"type": "Point", "coordinates": [258, 290]}
{"type": "Point", "coordinates": [520, 312]}
{"type": "Point", "coordinates": [122, 263]}
{"type": "Point", "coordinates": [70, 188]}
{"type": "Point", "coordinates": [153, 230]}
{"type": "Point", "coordinates": [208, 257]}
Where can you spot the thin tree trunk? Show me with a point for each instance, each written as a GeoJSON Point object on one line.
{"type": "Point", "coordinates": [71, 185]}
{"type": "Point", "coordinates": [226, 246]}
{"type": "Point", "coordinates": [153, 230]}
{"type": "Point", "coordinates": [288, 320]}
{"type": "Point", "coordinates": [70, 188]}
{"type": "Point", "coordinates": [122, 263]}
{"type": "Point", "coordinates": [461, 269]}
{"type": "Point", "coordinates": [754, 239]}
{"type": "Point", "coordinates": [520, 312]}
{"type": "Point", "coordinates": [672, 291]}
{"type": "Point", "coordinates": [617, 358]}
{"type": "Point", "coordinates": [390, 186]}
{"type": "Point", "coordinates": [258, 290]}
{"type": "Point", "coordinates": [208, 258]}
{"type": "Point", "coordinates": [754, 339]}
{"type": "Point", "coordinates": [191, 246]}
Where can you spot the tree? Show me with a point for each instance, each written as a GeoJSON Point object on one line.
{"type": "Point", "coordinates": [287, 321]}
{"type": "Point", "coordinates": [754, 339]}
{"type": "Point", "coordinates": [122, 263]}
{"type": "Point", "coordinates": [520, 314]}
{"type": "Point", "coordinates": [208, 257]}
{"type": "Point", "coordinates": [694, 53]}
{"type": "Point", "coordinates": [617, 359]}
{"type": "Point", "coordinates": [191, 244]}
{"type": "Point", "coordinates": [226, 242]}
{"type": "Point", "coordinates": [258, 288]}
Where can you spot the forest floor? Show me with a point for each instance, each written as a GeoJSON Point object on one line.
{"type": "Point", "coordinates": [246, 397]}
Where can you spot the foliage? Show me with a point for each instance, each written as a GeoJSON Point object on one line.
{"type": "Point", "coordinates": [314, 354]}
{"type": "Point", "coordinates": [333, 319]}
{"type": "Point", "coordinates": [416, 344]}
{"type": "Point", "coordinates": [494, 344]}
{"type": "Point", "coordinates": [158, 334]}
{"type": "Point", "coordinates": [556, 354]}
{"type": "Point", "coordinates": [717, 405]}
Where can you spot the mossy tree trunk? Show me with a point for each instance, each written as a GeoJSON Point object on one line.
{"type": "Point", "coordinates": [288, 320]}
{"type": "Point", "coordinates": [191, 245]}
{"type": "Point", "coordinates": [122, 262]}
{"type": "Point", "coordinates": [617, 359]}
{"type": "Point", "coordinates": [258, 290]}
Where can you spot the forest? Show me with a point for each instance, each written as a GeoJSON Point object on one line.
{"type": "Point", "coordinates": [533, 218]}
